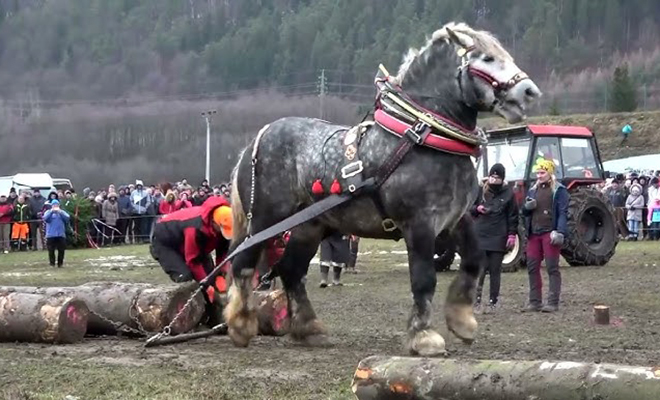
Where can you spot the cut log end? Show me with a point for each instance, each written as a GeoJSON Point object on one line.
{"type": "Point", "coordinates": [602, 315]}
{"type": "Point", "coordinates": [72, 321]}
{"type": "Point", "coordinates": [272, 312]}
{"type": "Point", "coordinates": [38, 318]}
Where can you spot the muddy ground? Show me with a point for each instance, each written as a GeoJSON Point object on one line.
{"type": "Point", "coordinates": [366, 316]}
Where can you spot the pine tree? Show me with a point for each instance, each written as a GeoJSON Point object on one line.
{"type": "Point", "coordinates": [624, 92]}
{"type": "Point", "coordinates": [554, 107]}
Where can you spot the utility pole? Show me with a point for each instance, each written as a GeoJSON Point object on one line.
{"type": "Point", "coordinates": [323, 89]}
{"type": "Point", "coordinates": [208, 115]}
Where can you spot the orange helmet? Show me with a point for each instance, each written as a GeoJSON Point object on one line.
{"type": "Point", "coordinates": [222, 217]}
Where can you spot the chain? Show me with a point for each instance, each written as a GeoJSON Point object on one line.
{"type": "Point", "coordinates": [120, 326]}
{"type": "Point", "coordinates": [252, 186]}
{"type": "Point", "coordinates": [133, 314]}
{"type": "Point", "coordinates": [168, 329]}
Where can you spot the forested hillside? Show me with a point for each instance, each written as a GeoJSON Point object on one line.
{"type": "Point", "coordinates": [102, 90]}
{"type": "Point", "coordinates": [98, 49]}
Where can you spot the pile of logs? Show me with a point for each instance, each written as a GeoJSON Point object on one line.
{"type": "Point", "coordinates": [67, 314]}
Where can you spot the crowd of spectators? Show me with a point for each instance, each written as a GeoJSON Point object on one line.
{"type": "Point", "coordinates": [120, 214]}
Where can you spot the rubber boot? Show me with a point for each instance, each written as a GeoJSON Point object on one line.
{"type": "Point", "coordinates": [325, 270]}
{"type": "Point", "coordinates": [336, 276]}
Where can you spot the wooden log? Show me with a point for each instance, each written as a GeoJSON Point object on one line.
{"type": "Point", "coordinates": [272, 312]}
{"type": "Point", "coordinates": [26, 317]}
{"type": "Point", "coordinates": [129, 303]}
{"type": "Point", "coordinates": [380, 377]}
{"type": "Point", "coordinates": [602, 315]}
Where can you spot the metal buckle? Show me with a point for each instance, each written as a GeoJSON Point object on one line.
{"type": "Point", "coordinates": [351, 169]}
{"type": "Point", "coordinates": [388, 225]}
{"type": "Point", "coordinates": [415, 132]}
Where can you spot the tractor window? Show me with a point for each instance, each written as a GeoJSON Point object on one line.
{"type": "Point", "coordinates": [548, 148]}
{"type": "Point", "coordinates": [579, 159]}
{"type": "Point", "coordinates": [512, 154]}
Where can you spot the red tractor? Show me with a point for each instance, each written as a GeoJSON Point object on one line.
{"type": "Point", "coordinates": [592, 230]}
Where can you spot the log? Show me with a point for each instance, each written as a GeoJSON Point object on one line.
{"type": "Point", "coordinates": [153, 306]}
{"type": "Point", "coordinates": [602, 315]}
{"type": "Point", "coordinates": [380, 377]}
{"type": "Point", "coordinates": [272, 312]}
{"type": "Point", "coordinates": [26, 317]}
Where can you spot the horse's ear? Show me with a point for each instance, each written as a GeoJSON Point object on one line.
{"type": "Point", "coordinates": [455, 39]}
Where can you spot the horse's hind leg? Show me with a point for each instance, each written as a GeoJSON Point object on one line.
{"type": "Point", "coordinates": [420, 242]}
{"type": "Point", "coordinates": [240, 313]}
{"type": "Point", "coordinates": [300, 249]}
{"type": "Point", "coordinates": [460, 297]}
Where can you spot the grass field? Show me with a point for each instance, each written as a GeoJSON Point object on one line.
{"type": "Point", "coordinates": [366, 316]}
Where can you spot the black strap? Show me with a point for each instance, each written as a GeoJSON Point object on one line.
{"type": "Point", "coordinates": [417, 132]}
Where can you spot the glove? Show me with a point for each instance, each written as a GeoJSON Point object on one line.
{"type": "Point", "coordinates": [632, 208]}
{"type": "Point", "coordinates": [481, 209]}
{"type": "Point", "coordinates": [510, 242]}
{"type": "Point", "coordinates": [530, 203]}
{"type": "Point", "coordinates": [556, 238]}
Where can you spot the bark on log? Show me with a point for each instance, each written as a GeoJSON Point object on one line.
{"type": "Point", "coordinates": [272, 312]}
{"type": "Point", "coordinates": [602, 315]}
{"type": "Point", "coordinates": [153, 306]}
{"type": "Point", "coordinates": [26, 317]}
{"type": "Point", "coordinates": [380, 377]}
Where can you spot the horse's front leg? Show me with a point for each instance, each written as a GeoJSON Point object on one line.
{"type": "Point", "coordinates": [241, 312]}
{"type": "Point", "coordinates": [304, 325]}
{"type": "Point", "coordinates": [461, 294]}
{"type": "Point", "coordinates": [422, 340]}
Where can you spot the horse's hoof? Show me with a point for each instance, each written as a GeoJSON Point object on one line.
{"type": "Point", "coordinates": [318, 340]}
{"type": "Point", "coordinates": [461, 322]}
{"type": "Point", "coordinates": [427, 343]}
{"type": "Point", "coordinates": [302, 331]}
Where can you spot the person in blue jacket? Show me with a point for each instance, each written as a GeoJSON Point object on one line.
{"type": "Point", "coordinates": [56, 220]}
{"type": "Point", "coordinates": [546, 213]}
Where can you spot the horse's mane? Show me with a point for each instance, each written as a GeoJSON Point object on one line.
{"type": "Point", "coordinates": [482, 40]}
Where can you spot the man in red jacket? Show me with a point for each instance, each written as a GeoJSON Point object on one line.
{"type": "Point", "coordinates": [184, 240]}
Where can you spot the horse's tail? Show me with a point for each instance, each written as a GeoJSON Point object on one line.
{"type": "Point", "coordinates": [238, 214]}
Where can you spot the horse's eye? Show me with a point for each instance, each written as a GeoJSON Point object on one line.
{"type": "Point", "coordinates": [489, 59]}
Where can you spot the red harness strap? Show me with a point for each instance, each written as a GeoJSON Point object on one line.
{"type": "Point", "coordinates": [433, 141]}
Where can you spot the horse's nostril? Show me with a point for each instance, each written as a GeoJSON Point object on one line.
{"type": "Point", "coordinates": [530, 92]}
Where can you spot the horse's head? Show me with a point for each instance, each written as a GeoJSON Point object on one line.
{"type": "Point", "coordinates": [487, 77]}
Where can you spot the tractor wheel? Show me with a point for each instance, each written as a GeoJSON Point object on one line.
{"type": "Point", "coordinates": [516, 259]}
{"type": "Point", "coordinates": [445, 254]}
{"type": "Point", "coordinates": [592, 233]}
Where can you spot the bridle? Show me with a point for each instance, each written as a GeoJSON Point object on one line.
{"type": "Point", "coordinates": [500, 87]}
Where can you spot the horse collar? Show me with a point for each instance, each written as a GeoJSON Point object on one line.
{"type": "Point", "coordinates": [397, 113]}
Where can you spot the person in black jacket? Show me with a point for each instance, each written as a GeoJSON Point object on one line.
{"type": "Point", "coordinates": [496, 221]}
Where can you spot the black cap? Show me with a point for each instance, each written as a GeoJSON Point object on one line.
{"type": "Point", "coordinates": [497, 169]}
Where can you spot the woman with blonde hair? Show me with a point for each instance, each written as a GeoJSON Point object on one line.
{"type": "Point", "coordinates": [546, 213]}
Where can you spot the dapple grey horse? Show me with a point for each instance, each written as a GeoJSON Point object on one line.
{"type": "Point", "coordinates": [457, 73]}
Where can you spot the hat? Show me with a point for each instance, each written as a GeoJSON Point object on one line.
{"type": "Point", "coordinates": [112, 194]}
{"type": "Point", "coordinates": [138, 183]}
{"type": "Point", "coordinates": [543, 164]}
{"type": "Point", "coordinates": [497, 169]}
{"type": "Point", "coordinates": [222, 217]}
{"type": "Point", "coordinates": [636, 186]}
{"type": "Point", "coordinates": [54, 202]}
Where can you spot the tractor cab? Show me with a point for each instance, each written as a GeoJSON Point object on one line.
{"type": "Point", "coordinates": [572, 148]}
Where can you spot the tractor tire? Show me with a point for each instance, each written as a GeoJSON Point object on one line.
{"type": "Point", "coordinates": [516, 258]}
{"type": "Point", "coordinates": [445, 254]}
{"type": "Point", "coordinates": [592, 232]}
